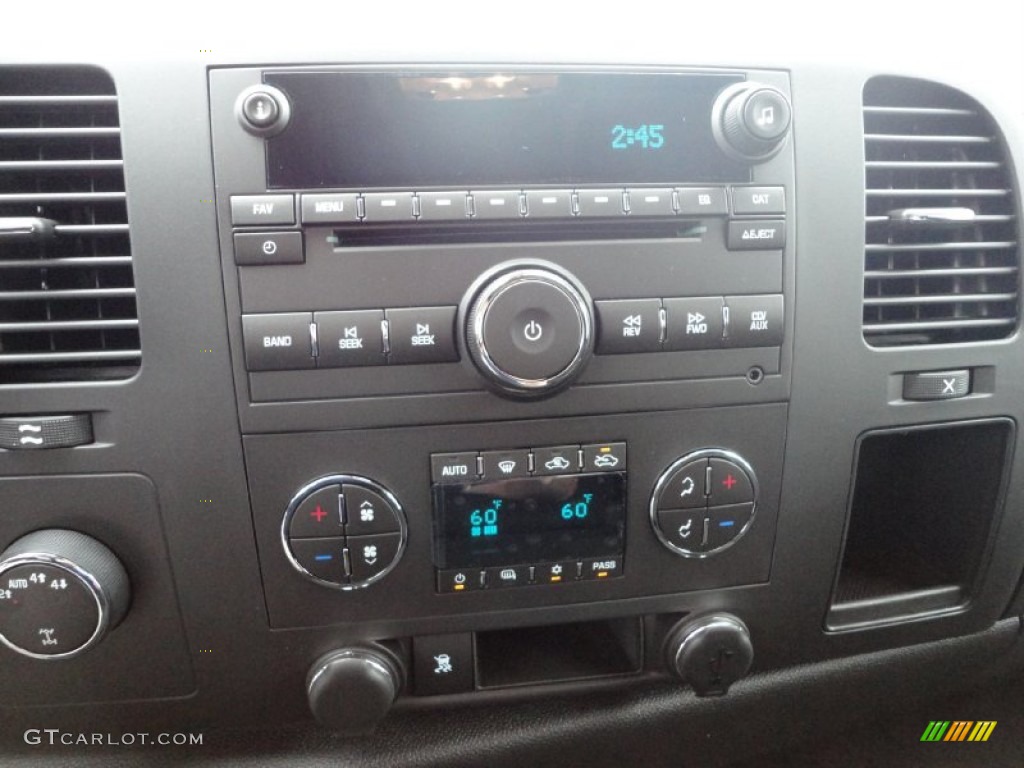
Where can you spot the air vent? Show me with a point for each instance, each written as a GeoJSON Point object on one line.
{"type": "Point", "coordinates": [941, 231]}
{"type": "Point", "coordinates": [67, 295]}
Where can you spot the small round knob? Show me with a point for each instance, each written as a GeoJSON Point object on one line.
{"type": "Point", "coordinates": [710, 653]}
{"type": "Point", "coordinates": [263, 110]}
{"type": "Point", "coordinates": [529, 328]}
{"type": "Point", "coordinates": [60, 593]}
{"type": "Point", "coordinates": [351, 690]}
{"type": "Point", "coordinates": [751, 121]}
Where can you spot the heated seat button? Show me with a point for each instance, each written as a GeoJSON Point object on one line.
{"type": "Point", "coordinates": [685, 488]}
{"type": "Point", "coordinates": [421, 335]}
{"type": "Point", "coordinates": [443, 664]}
{"type": "Point", "coordinates": [754, 321]}
{"type": "Point", "coordinates": [694, 323]}
{"type": "Point", "coordinates": [350, 338]}
{"type": "Point", "coordinates": [682, 528]}
{"type": "Point", "coordinates": [628, 325]}
{"type": "Point", "coordinates": [728, 483]}
{"type": "Point", "coordinates": [318, 515]}
{"type": "Point", "coordinates": [278, 341]}
{"type": "Point", "coordinates": [321, 558]}
{"type": "Point", "coordinates": [726, 523]}
{"type": "Point", "coordinates": [367, 512]}
{"type": "Point", "coordinates": [370, 556]}
{"type": "Point", "coordinates": [257, 248]}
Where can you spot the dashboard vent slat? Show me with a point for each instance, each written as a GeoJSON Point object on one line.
{"type": "Point", "coordinates": [942, 249]}
{"type": "Point", "coordinates": [67, 292]}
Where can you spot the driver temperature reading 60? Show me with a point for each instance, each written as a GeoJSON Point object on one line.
{"type": "Point", "coordinates": [646, 136]}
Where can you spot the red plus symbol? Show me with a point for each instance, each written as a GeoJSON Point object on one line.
{"type": "Point", "coordinates": [729, 482]}
{"type": "Point", "coordinates": [319, 514]}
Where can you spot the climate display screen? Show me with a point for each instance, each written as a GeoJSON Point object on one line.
{"type": "Point", "coordinates": [530, 520]}
{"type": "Point", "coordinates": [410, 130]}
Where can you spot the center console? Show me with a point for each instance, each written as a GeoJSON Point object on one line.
{"type": "Point", "coordinates": [505, 339]}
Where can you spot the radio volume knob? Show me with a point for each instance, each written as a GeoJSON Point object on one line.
{"type": "Point", "coordinates": [529, 328]}
{"type": "Point", "coordinates": [751, 121]}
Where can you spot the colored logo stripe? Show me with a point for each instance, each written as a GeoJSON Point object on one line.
{"type": "Point", "coordinates": [935, 730]}
{"type": "Point", "coordinates": [982, 730]}
{"type": "Point", "coordinates": [958, 730]}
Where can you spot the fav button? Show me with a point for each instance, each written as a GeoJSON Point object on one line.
{"type": "Point", "coordinates": [262, 209]}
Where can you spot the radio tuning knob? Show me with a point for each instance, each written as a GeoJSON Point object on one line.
{"type": "Point", "coordinates": [529, 327]}
{"type": "Point", "coordinates": [750, 121]}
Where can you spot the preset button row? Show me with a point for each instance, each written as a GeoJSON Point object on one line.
{"type": "Point", "coordinates": [460, 205]}
{"type": "Point", "coordinates": [291, 340]}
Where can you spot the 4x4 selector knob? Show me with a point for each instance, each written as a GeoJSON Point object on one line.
{"type": "Point", "coordinates": [60, 593]}
{"type": "Point", "coordinates": [529, 327]}
{"type": "Point", "coordinates": [751, 121]}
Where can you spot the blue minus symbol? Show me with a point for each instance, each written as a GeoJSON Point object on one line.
{"type": "Point", "coordinates": [324, 557]}
{"type": "Point", "coordinates": [727, 524]}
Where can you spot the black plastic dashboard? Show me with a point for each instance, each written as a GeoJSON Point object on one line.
{"type": "Point", "coordinates": [352, 477]}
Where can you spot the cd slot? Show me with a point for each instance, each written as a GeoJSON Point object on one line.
{"type": "Point", "coordinates": [363, 235]}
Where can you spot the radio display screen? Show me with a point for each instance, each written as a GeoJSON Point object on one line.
{"type": "Point", "coordinates": [530, 520]}
{"type": "Point", "coordinates": [409, 130]}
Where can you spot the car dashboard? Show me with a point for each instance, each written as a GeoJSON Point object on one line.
{"type": "Point", "coordinates": [444, 399]}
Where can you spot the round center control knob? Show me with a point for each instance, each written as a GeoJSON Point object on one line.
{"type": "Point", "coordinates": [529, 328]}
{"type": "Point", "coordinates": [60, 593]}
